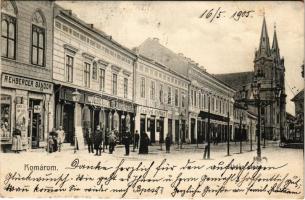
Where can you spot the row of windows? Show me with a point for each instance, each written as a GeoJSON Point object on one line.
{"type": "Point", "coordinates": [87, 76]}
{"type": "Point", "coordinates": [162, 76]}
{"type": "Point", "coordinates": [91, 42]}
{"type": "Point", "coordinates": [162, 97]}
{"type": "Point", "coordinates": [9, 39]}
{"type": "Point", "coordinates": [216, 105]}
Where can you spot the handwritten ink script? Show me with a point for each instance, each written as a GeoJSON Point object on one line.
{"type": "Point", "coordinates": [219, 13]}
{"type": "Point", "coordinates": [162, 178]}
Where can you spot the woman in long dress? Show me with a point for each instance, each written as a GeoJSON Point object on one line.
{"type": "Point", "coordinates": [16, 143]}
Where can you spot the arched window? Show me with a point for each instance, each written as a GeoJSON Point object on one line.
{"type": "Point", "coordinates": [8, 30]}
{"type": "Point", "coordinates": [38, 39]}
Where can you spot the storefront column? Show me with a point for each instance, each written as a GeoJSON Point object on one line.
{"type": "Point", "coordinates": [196, 131]}
{"type": "Point", "coordinates": [189, 128]}
{"type": "Point", "coordinates": [78, 126]}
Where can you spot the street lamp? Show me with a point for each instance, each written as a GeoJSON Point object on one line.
{"type": "Point", "coordinates": [75, 98]}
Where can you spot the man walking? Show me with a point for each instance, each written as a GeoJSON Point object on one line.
{"type": "Point", "coordinates": [126, 141]}
{"type": "Point", "coordinates": [98, 139]}
{"type": "Point", "coordinates": [89, 139]}
{"type": "Point", "coordinates": [112, 141]}
{"type": "Point", "coordinates": [136, 140]}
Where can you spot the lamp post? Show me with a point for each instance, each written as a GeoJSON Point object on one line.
{"type": "Point", "coordinates": [75, 98]}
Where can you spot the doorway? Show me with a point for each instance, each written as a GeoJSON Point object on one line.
{"type": "Point", "coordinates": [68, 123]}
{"type": "Point", "coordinates": [152, 129]}
{"type": "Point", "coordinates": [35, 125]}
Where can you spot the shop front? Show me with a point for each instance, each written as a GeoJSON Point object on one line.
{"type": "Point", "coordinates": [26, 104]}
{"type": "Point", "coordinates": [93, 110]}
{"type": "Point", "coordinates": [152, 121]}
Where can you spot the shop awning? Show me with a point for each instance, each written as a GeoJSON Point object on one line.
{"type": "Point", "coordinates": [205, 115]}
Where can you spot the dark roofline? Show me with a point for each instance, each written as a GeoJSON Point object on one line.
{"type": "Point", "coordinates": [95, 30]}
{"type": "Point", "coordinates": [295, 98]}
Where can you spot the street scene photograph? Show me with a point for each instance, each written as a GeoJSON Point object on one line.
{"type": "Point", "coordinates": [150, 99]}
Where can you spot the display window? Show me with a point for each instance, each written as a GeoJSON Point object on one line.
{"type": "Point", "coordinates": [5, 116]}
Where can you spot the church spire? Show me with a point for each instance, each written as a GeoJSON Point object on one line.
{"type": "Point", "coordinates": [264, 46]}
{"type": "Point", "coordinates": [275, 46]}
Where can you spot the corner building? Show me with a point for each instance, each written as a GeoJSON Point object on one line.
{"type": "Point", "coordinates": [89, 63]}
{"type": "Point", "coordinates": [26, 72]}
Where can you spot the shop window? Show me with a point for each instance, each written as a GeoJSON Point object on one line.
{"type": "Point", "coordinates": [182, 100]}
{"type": "Point", "coordinates": [69, 68]}
{"type": "Point", "coordinates": [125, 87]}
{"type": "Point", "coordinates": [38, 39]}
{"type": "Point", "coordinates": [5, 116]}
{"type": "Point", "coordinates": [114, 84]}
{"type": "Point", "coordinates": [8, 30]}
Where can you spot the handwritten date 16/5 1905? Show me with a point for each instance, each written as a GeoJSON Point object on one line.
{"type": "Point", "coordinates": [212, 14]}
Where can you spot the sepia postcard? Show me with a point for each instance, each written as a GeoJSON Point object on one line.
{"type": "Point", "coordinates": [152, 99]}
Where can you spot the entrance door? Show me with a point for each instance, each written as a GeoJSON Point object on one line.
{"type": "Point", "coordinates": [68, 123]}
{"type": "Point", "coordinates": [199, 132]}
{"type": "Point", "coordinates": [192, 131]}
{"type": "Point", "coordinates": [142, 124]}
{"type": "Point", "coordinates": [152, 129]}
{"type": "Point", "coordinates": [177, 130]}
{"type": "Point", "coordinates": [35, 122]}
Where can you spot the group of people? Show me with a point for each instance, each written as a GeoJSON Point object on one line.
{"type": "Point", "coordinates": [55, 140]}
{"type": "Point", "coordinates": [96, 140]}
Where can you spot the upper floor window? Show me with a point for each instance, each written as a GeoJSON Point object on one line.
{"type": "Point", "coordinates": [38, 39]}
{"type": "Point", "coordinates": [125, 87]}
{"type": "Point", "coordinates": [195, 98]}
{"type": "Point", "coordinates": [87, 74]}
{"type": "Point", "coordinates": [152, 90]}
{"type": "Point", "coordinates": [114, 84]}
{"type": "Point", "coordinates": [142, 87]}
{"type": "Point", "coordinates": [69, 68]}
{"type": "Point", "coordinates": [8, 30]}
{"type": "Point", "coordinates": [182, 99]}
{"type": "Point", "coordinates": [176, 98]}
{"type": "Point", "coordinates": [161, 93]}
{"type": "Point", "coordinates": [102, 79]}
{"type": "Point", "coordinates": [94, 71]}
{"type": "Point", "coordinates": [169, 99]}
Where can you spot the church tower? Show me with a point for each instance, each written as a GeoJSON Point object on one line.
{"type": "Point", "coordinates": [270, 66]}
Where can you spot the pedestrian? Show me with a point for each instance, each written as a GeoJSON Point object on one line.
{"type": "Point", "coordinates": [61, 137]}
{"type": "Point", "coordinates": [50, 144]}
{"type": "Point", "coordinates": [54, 136]}
{"type": "Point", "coordinates": [144, 142]}
{"type": "Point", "coordinates": [89, 139]}
{"type": "Point", "coordinates": [136, 139]}
{"type": "Point", "coordinates": [126, 141]}
{"type": "Point", "coordinates": [98, 139]}
{"type": "Point", "coordinates": [205, 145]}
{"type": "Point", "coordinates": [112, 141]}
{"type": "Point", "coordinates": [168, 141]}
{"type": "Point", "coordinates": [107, 138]}
{"type": "Point", "coordinates": [16, 143]}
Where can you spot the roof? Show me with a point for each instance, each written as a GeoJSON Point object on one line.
{"type": "Point", "coordinates": [152, 49]}
{"type": "Point", "coordinates": [236, 80]}
{"type": "Point", "coordinates": [299, 96]}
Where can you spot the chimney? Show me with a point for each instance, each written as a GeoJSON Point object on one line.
{"type": "Point", "coordinates": [91, 25]}
{"type": "Point", "coordinates": [156, 39]}
{"type": "Point", "coordinates": [136, 50]}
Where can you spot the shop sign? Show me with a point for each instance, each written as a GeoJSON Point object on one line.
{"type": "Point", "coordinates": [95, 100]}
{"type": "Point", "coordinates": [122, 106]}
{"type": "Point", "coordinates": [37, 109]}
{"type": "Point", "coordinates": [151, 111]}
{"type": "Point", "coordinates": [13, 81]}
{"type": "Point", "coordinates": [21, 117]}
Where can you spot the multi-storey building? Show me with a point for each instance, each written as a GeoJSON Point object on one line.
{"type": "Point", "coordinates": [90, 65]}
{"type": "Point", "coordinates": [26, 71]}
{"type": "Point", "coordinates": [161, 98]}
{"type": "Point", "coordinates": [204, 90]}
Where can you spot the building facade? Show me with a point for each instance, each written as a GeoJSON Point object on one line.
{"type": "Point", "coordinates": [161, 98]}
{"type": "Point", "coordinates": [90, 65]}
{"type": "Point", "coordinates": [298, 101]}
{"type": "Point", "coordinates": [26, 71]}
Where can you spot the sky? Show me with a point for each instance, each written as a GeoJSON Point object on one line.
{"type": "Point", "coordinates": [223, 45]}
